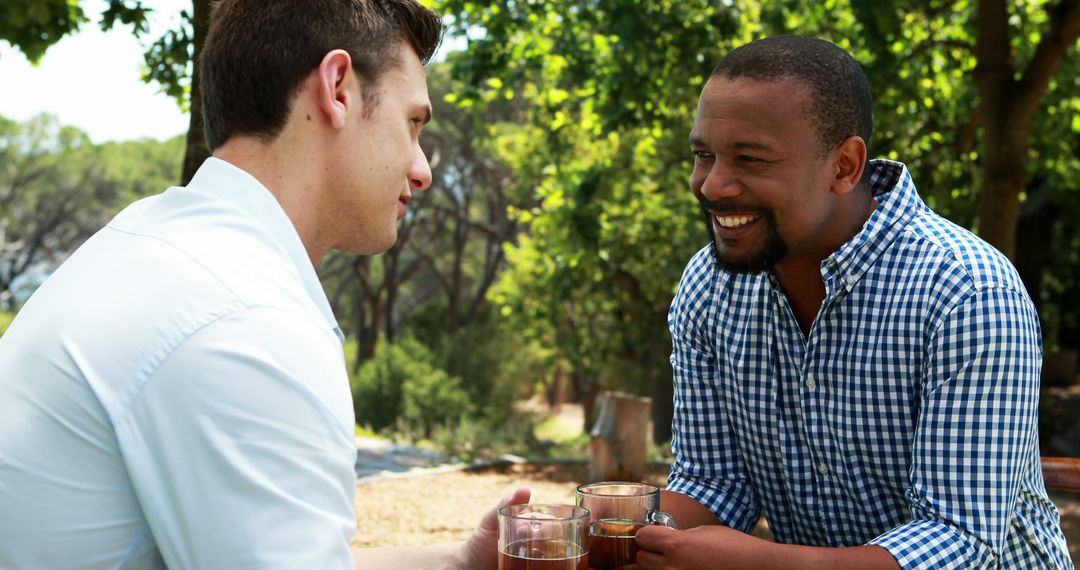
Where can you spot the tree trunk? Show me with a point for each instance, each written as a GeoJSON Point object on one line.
{"type": "Point", "coordinates": [585, 391]}
{"type": "Point", "coordinates": [390, 270]}
{"type": "Point", "coordinates": [1010, 105]}
{"type": "Point", "coordinates": [1034, 234]}
{"type": "Point", "coordinates": [618, 439]}
{"type": "Point", "coordinates": [196, 151]}
{"type": "Point", "coordinates": [1004, 178]}
{"type": "Point", "coordinates": [663, 407]}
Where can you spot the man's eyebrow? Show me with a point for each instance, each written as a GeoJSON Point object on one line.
{"type": "Point", "coordinates": [696, 141]}
{"type": "Point", "coordinates": [752, 146]}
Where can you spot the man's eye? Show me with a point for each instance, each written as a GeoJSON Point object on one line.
{"type": "Point", "coordinates": [750, 159]}
{"type": "Point", "coordinates": [702, 156]}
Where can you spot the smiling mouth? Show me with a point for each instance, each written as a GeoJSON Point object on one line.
{"type": "Point", "coordinates": [731, 222]}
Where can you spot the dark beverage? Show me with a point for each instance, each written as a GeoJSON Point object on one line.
{"type": "Point", "coordinates": [611, 545]}
{"type": "Point", "coordinates": [543, 554]}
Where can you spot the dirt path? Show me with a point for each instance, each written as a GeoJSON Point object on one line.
{"type": "Point", "coordinates": [446, 507]}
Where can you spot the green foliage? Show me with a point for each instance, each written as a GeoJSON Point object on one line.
{"type": "Point", "coordinates": [57, 188]}
{"type": "Point", "coordinates": [493, 361]}
{"type": "Point", "coordinates": [471, 440]}
{"type": "Point", "coordinates": [401, 388]}
{"type": "Point", "coordinates": [5, 321]}
{"type": "Point", "coordinates": [169, 60]}
{"type": "Point", "coordinates": [34, 26]}
{"type": "Point", "coordinates": [609, 92]}
{"type": "Point", "coordinates": [432, 400]}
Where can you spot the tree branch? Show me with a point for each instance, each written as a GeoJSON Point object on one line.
{"type": "Point", "coordinates": [1064, 29]}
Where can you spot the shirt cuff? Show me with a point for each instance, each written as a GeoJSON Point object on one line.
{"type": "Point", "coordinates": [934, 544]}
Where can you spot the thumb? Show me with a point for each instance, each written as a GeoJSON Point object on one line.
{"type": "Point", "coordinates": [653, 537]}
{"type": "Point", "coordinates": [519, 496]}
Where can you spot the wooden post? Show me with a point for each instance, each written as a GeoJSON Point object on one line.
{"type": "Point", "coordinates": [619, 437]}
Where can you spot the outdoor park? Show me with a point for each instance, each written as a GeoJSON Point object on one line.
{"type": "Point", "coordinates": [533, 280]}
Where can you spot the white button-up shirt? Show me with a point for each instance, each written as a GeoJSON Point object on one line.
{"type": "Point", "coordinates": [175, 394]}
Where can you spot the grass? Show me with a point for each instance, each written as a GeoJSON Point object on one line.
{"type": "Point", "coordinates": [562, 436]}
{"type": "Point", "coordinates": [362, 431]}
{"type": "Point", "coordinates": [558, 429]}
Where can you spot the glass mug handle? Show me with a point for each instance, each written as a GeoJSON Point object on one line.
{"type": "Point", "coordinates": [661, 518]}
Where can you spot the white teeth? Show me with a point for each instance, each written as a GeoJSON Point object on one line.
{"type": "Point", "coordinates": [734, 221]}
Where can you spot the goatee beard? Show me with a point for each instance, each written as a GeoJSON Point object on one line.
{"type": "Point", "coordinates": [771, 253]}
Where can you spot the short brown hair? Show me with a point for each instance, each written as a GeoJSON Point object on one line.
{"type": "Point", "coordinates": [258, 52]}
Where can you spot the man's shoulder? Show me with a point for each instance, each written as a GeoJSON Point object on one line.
{"type": "Point", "coordinates": [957, 250]}
{"type": "Point", "coordinates": [211, 242]}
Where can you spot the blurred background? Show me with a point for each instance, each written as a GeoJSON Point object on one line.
{"type": "Point", "coordinates": [537, 272]}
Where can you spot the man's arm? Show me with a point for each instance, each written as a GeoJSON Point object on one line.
{"type": "Point", "coordinates": [707, 470]}
{"type": "Point", "coordinates": [240, 446]}
{"type": "Point", "coordinates": [705, 543]}
{"type": "Point", "coordinates": [976, 435]}
{"type": "Point", "coordinates": [723, 548]}
{"type": "Point", "coordinates": [688, 513]}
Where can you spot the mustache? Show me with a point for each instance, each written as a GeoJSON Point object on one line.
{"type": "Point", "coordinates": [729, 206]}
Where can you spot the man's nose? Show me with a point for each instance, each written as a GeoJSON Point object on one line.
{"type": "Point", "coordinates": [720, 182]}
{"type": "Point", "coordinates": [420, 171]}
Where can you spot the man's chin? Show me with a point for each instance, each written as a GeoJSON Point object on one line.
{"type": "Point", "coordinates": [373, 245]}
{"type": "Point", "coordinates": [741, 265]}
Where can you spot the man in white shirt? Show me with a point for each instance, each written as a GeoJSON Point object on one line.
{"type": "Point", "coordinates": [175, 394]}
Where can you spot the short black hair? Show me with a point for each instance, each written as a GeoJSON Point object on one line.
{"type": "Point", "coordinates": [258, 52]}
{"type": "Point", "coordinates": [840, 94]}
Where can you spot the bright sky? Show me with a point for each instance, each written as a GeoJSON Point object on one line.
{"type": "Point", "coordinates": [91, 80]}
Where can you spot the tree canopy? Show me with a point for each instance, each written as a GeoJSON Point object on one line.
{"type": "Point", "coordinates": [610, 89]}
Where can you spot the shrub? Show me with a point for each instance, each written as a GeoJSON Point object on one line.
{"type": "Point", "coordinates": [469, 439]}
{"type": "Point", "coordinates": [431, 400]}
{"type": "Point", "coordinates": [401, 387]}
{"type": "Point", "coordinates": [494, 363]}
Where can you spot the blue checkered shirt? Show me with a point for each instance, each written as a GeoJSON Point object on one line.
{"type": "Point", "coordinates": [906, 419]}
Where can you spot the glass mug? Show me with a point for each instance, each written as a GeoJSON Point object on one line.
{"type": "Point", "coordinates": [618, 510]}
{"type": "Point", "coordinates": [543, 537]}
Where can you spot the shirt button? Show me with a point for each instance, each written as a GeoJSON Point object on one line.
{"type": "Point", "coordinates": [810, 383]}
{"type": "Point", "coordinates": [823, 469]}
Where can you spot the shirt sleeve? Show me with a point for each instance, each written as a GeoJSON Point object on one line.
{"type": "Point", "coordinates": [240, 446]}
{"type": "Point", "coordinates": [706, 465]}
{"type": "Point", "coordinates": [975, 436]}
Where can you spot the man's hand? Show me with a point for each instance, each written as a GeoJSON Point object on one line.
{"type": "Point", "coordinates": [480, 551]}
{"type": "Point", "coordinates": [705, 547]}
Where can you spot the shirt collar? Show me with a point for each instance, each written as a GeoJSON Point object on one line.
{"type": "Point", "coordinates": [236, 186]}
{"type": "Point", "coordinates": [898, 201]}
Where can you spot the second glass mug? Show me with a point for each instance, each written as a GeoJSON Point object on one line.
{"type": "Point", "coordinates": [618, 509]}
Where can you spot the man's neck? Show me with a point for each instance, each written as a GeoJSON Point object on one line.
{"type": "Point", "coordinates": [288, 177]}
{"type": "Point", "coordinates": [800, 278]}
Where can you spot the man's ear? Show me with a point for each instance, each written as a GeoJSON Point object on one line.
{"type": "Point", "coordinates": [335, 79]}
{"type": "Point", "coordinates": [848, 165]}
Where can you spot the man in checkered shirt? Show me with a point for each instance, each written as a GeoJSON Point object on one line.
{"type": "Point", "coordinates": [847, 363]}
